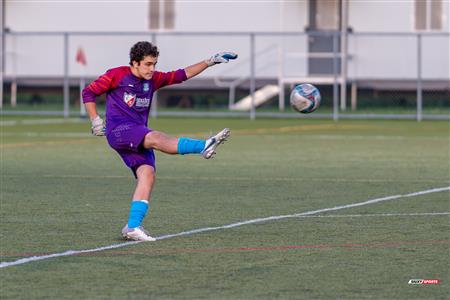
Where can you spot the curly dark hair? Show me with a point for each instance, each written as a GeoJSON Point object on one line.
{"type": "Point", "coordinates": [142, 49]}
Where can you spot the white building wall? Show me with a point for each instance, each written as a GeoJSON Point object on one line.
{"type": "Point", "coordinates": [250, 15]}
{"type": "Point", "coordinates": [106, 15]}
{"type": "Point", "coordinates": [381, 16]}
{"type": "Point", "coordinates": [99, 15]}
{"type": "Point", "coordinates": [104, 52]}
{"type": "Point", "coordinates": [446, 16]}
{"type": "Point", "coordinates": [394, 56]}
{"type": "Point", "coordinates": [372, 57]}
{"type": "Point", "coordinates": [233, 16]}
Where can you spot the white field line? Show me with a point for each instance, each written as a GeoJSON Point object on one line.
{"type": "Point", "coordinates": [206, 229]}
{"type": "Point", "coordinates": [308, 213]}
{"type": "Point", "coordinates": [382, 215]}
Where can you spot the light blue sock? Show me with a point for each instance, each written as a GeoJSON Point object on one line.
{"type": "Point", "coordinates": [138, 211]}
{"type": "Point", "coordinates": [187, 145]}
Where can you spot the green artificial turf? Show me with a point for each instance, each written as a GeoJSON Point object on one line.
{"type": "Point", "coordinates": [63, 189]}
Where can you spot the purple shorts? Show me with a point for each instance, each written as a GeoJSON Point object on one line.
{"type": "Point", "coordinates": [127, 139]}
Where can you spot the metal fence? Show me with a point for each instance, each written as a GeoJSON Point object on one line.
{"type": "Point", "coordinates": [360, 75]}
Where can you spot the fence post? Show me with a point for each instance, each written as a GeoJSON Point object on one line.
{"type": "Point", "coordinates": [231, 96]}
{"type": "Point", "coordinates": [252, 75]}
{"type": "Point", "coordinates": [281, 104]}
{"type": "Point", "coordinates": [154, 105]}
{"type": "Point", "coordinates": [335, 81]}
{"type": "Point", "coordinates": [66, 75]}
{"type": "Point", "coordinates": [419, 78]}
{"type": "Point", "coordinates": [2, 51]}
{"type": "Point", "coordinates": [2, 54]}
{"type": "Point", "coordinates": [344, 53]}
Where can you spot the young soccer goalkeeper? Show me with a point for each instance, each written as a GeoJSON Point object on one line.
{"type": "Point", "coordinates": [129, 91]}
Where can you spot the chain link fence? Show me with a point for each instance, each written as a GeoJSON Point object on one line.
{"type": "Point", "coordinates": [384, 75]}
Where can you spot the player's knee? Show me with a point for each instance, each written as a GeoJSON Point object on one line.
{"type": "Point", "coordinates": [152, 139]}
{"type": "Point", "coordinates": [149, 178]}
{"type": "Point", "coordinates": [145, 173]}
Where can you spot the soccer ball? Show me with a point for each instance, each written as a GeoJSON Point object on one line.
{"type": "Point", "coordinates": [305, 98]}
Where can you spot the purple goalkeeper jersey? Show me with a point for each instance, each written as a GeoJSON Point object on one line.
{"type": "Point", "coordinates": [128, 98]}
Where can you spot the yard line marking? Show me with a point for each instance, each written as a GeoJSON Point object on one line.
{"type": "Point", "coordinates": [313, 212]}
{"type": "Point", "coordinates": [319, 216]}
{"type": "Point", "coordinates": [381, 215]}
{"type": "Point", "coordinates": [66, 253]}
{"type": "Point", "coordinates": [233, 225]}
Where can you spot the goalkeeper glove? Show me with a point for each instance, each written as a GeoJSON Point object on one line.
{"type": "Point", "coordinates": [221, 57]}
{"type": "Point", "coordinates": [98, 126]}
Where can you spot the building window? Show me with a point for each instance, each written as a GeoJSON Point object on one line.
{"type": "Point", "coordinates": [327, 15]}
{"type": "Point", "coordinates": [161, 14]}
{"type": "Point", "coordinates": [428, 15]}
{"type": "Point", "coordinates": [154, 14]}
{"type": "Point", "coordinates": [169, 14]}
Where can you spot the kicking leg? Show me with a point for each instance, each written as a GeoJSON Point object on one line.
{"type": "Point", "coordinates": [213, 142]}
{"type": "Point", "coordinates": [170, 145]}
{"type": "Point", "coordinates": [160, 141]}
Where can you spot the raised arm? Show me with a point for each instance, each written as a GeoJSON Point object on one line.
{"type": "Point", "coordinates": [221, 57]}
{"type": "Point", "coordinates": [195, 69]}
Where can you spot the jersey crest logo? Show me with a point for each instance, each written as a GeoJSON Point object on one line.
{"type": "Point", "coordinates": [146, 87]}
{"type": "Point", "coordinates": [129, 99]}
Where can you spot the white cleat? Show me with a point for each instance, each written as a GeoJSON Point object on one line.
{"type": "Point", "coordinates": [137, 234]}
{"type": "Point", "coordinates": [213, 142]}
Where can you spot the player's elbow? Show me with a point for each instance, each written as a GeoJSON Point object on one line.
{"type": "Point", "coordinates": [87, 95]}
